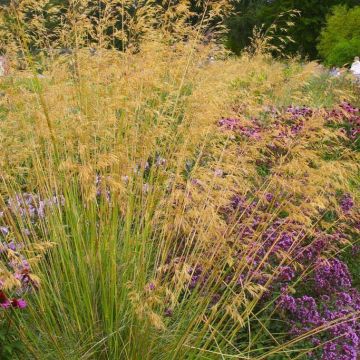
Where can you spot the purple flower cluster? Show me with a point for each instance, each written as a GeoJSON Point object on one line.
{"type": "Point", "coordinates": [298, 112]}
{"type": "Point", "coordinates": [287, 273]}
{"type": "Point", "coordinates": [233, 124]}
{"type": "Point", "coordinates": [196, 276]}
{"type": "Point", "coordinates": [347, 115]}
{"type": "Point", "coordinates": [288, 123]}
{"type": "Point", "coordinates": [34, 208]}
{"type": "Point", "coordinates": [304, 308]}
{"type": "Point", "coordinates": [101, 189]}
{"type": "Point", "coordinates": [331, 275]}
{"type": "Point", "coordinates": [329, 299]}
{"type": "Point", "coordinates": [319, 245]}
{"type": "Point", "coordinates": [333, 304]}
{"type": "Point", "coordinates": [32, 205]}
{"type": "Point", "coordinates": [346, 203]}
{"type": "Point", "coordinates": [229, 123]}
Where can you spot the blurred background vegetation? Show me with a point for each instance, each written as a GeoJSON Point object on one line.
{"type": "Point", "coordinates": [324, 30]}
{"type": "Point", "coordinates": [315, 16]}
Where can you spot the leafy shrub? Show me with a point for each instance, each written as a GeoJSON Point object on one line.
{"type": "Point", "coordinates": [340, 39]}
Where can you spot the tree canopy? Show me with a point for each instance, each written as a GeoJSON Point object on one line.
{"type": "Point", "coordinates": [340, 39]}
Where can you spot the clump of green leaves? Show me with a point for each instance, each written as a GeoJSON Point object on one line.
{"type": "Point", "coordinates": [340, 39]}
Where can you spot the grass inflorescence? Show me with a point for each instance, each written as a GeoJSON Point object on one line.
{"type": "Point", "coordinates": [161, 199]}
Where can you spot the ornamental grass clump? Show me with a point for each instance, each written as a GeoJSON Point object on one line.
{"type": "Point", "coordinates": [188, 208]}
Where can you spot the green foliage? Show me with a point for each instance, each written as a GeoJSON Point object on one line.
{"type": "Point", "coordinates": [340, 39]}
{"type": "Point", "coordinates": [242, 23]}
{"type": "Point", "coordinates": [9, 341]}
{"type": "Point", "coordinates": [305, 33]}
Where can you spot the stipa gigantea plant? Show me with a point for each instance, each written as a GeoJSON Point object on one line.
{"type": "Point", "coordinates": [170, 230]}
{"type": "Point", "coordinates": [86, 173]}
{"type": "Point", "coordinates": [142, 310]}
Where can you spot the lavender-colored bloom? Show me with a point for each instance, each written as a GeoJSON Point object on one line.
{"type": "Point", "coordinates": [4, 230]}
{"type": "Point", "coordinates": [12, 246]}
{"type": "Point", "coordinates": [32, 205]}
{"type": "Point", "coordinates": [195, 276]}
{"type": "Point", "coordinates": [286, 273]}
{"type": "Point", "coordinates": [196, 182]}
{"type": "Point", "coordinates": [151, 286]}
{"type": "Point", "coordinates": [349, 108]}
{"type": "Point", "coordinates": [343, 299]}
{"type": "Point", "coordinates": [24, 265]}
{"type": "Point", "coordinates": [238, 201]}
{"type": "Point", "coordinates": [346, 203]}
{"type": "Point", "coordinates": [41, 209]}
{"type": "Point", "coordinates": [297, 112]}
{"type": "Point", "coordinates": [332, 275]}
{"type": "Point", "coordinates": [233, 124]}
{"type": "Point", "coordinates": [58, 200]}
{"type": "Point", "coordinates": [285, 241]}
{"type": "Point", "coordinates": [296, 128]}
{"type": "Point", "coordinates": [307, 310]}
{"type": "Point", "coordinates": [98, 181]}
{"type": "Point", "coordinates": [287, 302]}
{"type": "Point", "coordinates": [229, 123]}
{"type": "Point", "coordinates": [349, 116]}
